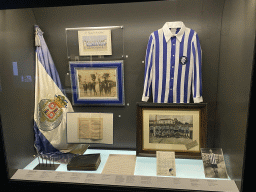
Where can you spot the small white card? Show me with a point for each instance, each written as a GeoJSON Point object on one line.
{"type": "Point", "coordinates": [95, 42]}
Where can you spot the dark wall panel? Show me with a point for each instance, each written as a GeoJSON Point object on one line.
{"type": "Point", "coordinates": [17, 87]}
{"type": "Point", "coordinates": [234, 82]}
{"type": "Point", "coordinates": [139, 20]}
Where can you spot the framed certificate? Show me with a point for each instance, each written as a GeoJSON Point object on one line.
{"type": "Point", "coordinates": [95, 42]}
{"type": "Point", "coordinates": [97, 82]}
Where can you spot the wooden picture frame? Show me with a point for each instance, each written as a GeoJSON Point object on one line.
{"type": "Point", "coordinates": [181, 128]}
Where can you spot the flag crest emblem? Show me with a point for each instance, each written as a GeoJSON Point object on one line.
{"type": "Point", "coordinates": [50, 112]}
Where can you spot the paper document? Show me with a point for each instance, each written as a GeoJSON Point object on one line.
{"type": "Point", "coordinates": [120, 164]}
{"type": "Point", "coordinates": [165, 163]}
{"type": "Point", "coordinates": [90, 128]}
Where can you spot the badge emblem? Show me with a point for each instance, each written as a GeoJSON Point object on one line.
{"type": "Point", "coordinates": [50, 112]}
{"type": "Point", "coordinates": [183, 60]}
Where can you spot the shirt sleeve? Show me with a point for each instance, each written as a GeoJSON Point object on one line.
{"type": "Point", "coordinates": [148, 69]}
{"type": "Point", "coordinates": [197, 70]}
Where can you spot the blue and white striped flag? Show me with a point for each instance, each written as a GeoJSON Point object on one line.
{"type": "Point", "coordinates": [51, 104]}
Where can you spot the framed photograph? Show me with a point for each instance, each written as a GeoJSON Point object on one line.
{"type": "Point", "coordinates": [171, 127]}
{"type": "Point", "coordinates": [90, 127]}
{"type": "Point", "coordinates": [95, 42]}
{"type": "Point", "coordinates": [97, 82]}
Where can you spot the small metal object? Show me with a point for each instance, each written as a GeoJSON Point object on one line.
{"type": "Point", "coordinates": [50, 162]}
{"type": "Point", "coordinates": [46, 166]}
{"type": "Point", "coordinates": [38, 159]}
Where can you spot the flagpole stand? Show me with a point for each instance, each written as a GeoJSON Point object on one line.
{"type": "Point", "coordinates": [46, 166]}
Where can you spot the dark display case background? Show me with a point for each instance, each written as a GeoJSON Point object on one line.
{"type": "Point", "coordinates": [226, 31]}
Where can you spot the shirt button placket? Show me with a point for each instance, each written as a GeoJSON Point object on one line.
{"type": "Point", "coordinates": [173, 41]}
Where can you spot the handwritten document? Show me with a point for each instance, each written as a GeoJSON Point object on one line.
{"type": "Point", "coordinates": [120, 164]}
{"type": "Point", "coordinates": [165, 163]}
{"type": "Point", "coordinates": [90, 128]}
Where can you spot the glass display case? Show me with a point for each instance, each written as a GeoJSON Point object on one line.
{"type": "Point", "coordinates": [53, 58]}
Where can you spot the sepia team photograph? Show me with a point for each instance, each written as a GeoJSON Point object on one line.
{"type": "Point", "coordinates": [97, 83]}
{"type": "Point", "coordinates": [170, 129]}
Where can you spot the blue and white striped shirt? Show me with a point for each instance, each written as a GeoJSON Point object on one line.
{"type": "Point", "coordinates": [173, 64]}
{"type": "Point", "coordinates": [212, 158]}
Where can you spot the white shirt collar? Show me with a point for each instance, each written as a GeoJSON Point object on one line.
{"type": "Point", "coordinates": [167, 32]}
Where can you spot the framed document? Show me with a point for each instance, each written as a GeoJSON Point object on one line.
{"type": "Point", "coordinates": [95, 42]}
{"type": "Point", "coordinates": [97, 82]}
{"type": "Point", "coordinates": [171, 127]}
{"type": "Point", "coordinates": [90, 127]}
